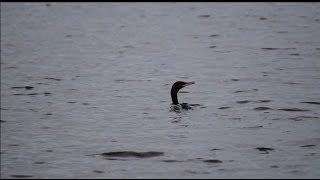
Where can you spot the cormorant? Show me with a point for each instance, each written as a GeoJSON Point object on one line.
{"type": "Point", "coordinates": [174, 95]}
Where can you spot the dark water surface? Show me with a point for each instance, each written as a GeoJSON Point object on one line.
{"type": "Point", "coordinates": [85, 90]}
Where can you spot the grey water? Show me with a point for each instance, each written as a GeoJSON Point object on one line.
{"type": "Point", "coordinates": [85, 90]}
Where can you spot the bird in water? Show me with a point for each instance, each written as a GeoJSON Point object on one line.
{"type": "Point", "coordinates": [174, 95]}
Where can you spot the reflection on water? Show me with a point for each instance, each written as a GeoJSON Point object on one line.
{"type": "Point", "coordinates": [85, 90]}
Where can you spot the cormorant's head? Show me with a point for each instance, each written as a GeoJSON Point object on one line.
{"type": "Point", "coordinates": [180, 84]}
{"type": "Point", "coordinates": [176, 87]}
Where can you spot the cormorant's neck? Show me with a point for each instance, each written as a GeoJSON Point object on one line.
{"type": "Point", "coordinates": [174, 96]}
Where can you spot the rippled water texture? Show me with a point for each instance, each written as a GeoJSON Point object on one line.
{"type": "Point", "coordinates": [85, 90]}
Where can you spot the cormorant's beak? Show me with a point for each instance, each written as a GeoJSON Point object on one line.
{"type": "Point", "coordinates": [188, 83]}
